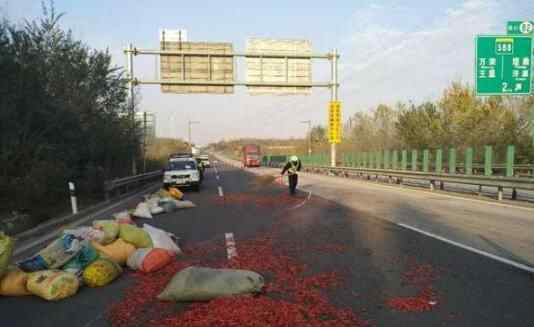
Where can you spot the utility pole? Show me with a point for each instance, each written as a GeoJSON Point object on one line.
{"type": "Point", "coordinates": [131, 93]}
{"type": "Point", "coordinates": [144, 141]}
{"type": "Point", "coordinates": [309, 136]}
{"type": "Point", "coordinates": [191, 122]}
{"type": "Point", "coordinates": [334, 97]}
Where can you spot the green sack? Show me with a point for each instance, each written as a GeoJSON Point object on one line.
{"type": "Point", "coordinates": [110, 228]}
{"type": "Point", "coordinates": [6, 250]}
{"type": "Point", "coordinates": [203, 284]}
{"type": "Point", "coordinates": [86, 256]}
{"type": "Point", "coordinates": [135, 235]}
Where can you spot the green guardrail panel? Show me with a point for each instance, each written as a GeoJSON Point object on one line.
{"type": "Point", "coordinates": [387, 159]}
{"type": "Point", "coordinates": [488, 161]}
{"type": "Point", "coordinates": [439, 161]}
{"type": "Point", "coordinates": [404, 160]}
{"type": "Point", "coordinates": [378, 156]}
{"type": "Point", "coordinates": [510, 158]}
{"type": "Point", "coordinates": [452, 161]}
{"type": "Point", "coordinates": [395, 160]}
{"type": "Point", "coordinates": [468, 165]}
{"type": "Point", "coordinates": [426, 160]}
{"type": "Point", "coordinates": [414, 160]}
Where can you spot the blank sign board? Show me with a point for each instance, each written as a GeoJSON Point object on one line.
{"type": "Point", "coordinates": [200, 68]}
{"type": "Point", "coordinates": [279, 70]}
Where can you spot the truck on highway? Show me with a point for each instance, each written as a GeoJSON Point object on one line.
{"type": "Point", "coordinates": [251, 155]}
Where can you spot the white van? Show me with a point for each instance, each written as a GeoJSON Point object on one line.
{"type": "Point", "coordinates": [182, 172]}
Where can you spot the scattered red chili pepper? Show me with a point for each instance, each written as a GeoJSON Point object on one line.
{"type": "Point", "coordinates": [291, 297]}
{"type": "Point", "coordinates": [263, 201]}
{"type": "Point", "coordinates": [420, 276]}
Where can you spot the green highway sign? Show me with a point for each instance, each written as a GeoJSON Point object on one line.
{"type": "Point", "coordinates": [503, 65]}
{"type": "Point", "coordinates": [518, 27]}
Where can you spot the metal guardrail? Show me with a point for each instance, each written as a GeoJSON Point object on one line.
{"type": "Point", "coordinates": [127, 183]}
{"type": "Point", "coordinates": [398, 176]}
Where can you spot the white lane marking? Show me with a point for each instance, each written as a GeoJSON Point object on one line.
{"type": "Point", "coordinates": [471, 249]}
{"type": "Point", "coordinates": [303, 202]}
{"type": "Point", "coordinates": [217, 177]}
{"type": "Point", "coordinates": [216, 171]}
{"type": "Point", "coordinates": [231, 250]}
{"type": "Point", "coordinates": [220, 191]}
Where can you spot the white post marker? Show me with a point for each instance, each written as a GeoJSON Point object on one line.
{"type": "Point", "coordinates": [73, 201]}
{"type": "Point", "coordinates": [221, 194]}
{"type": "Point", "coordinates": [231, 249]}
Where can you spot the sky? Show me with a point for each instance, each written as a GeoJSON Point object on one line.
{"type": "Point", "coordinates": [390, 51]}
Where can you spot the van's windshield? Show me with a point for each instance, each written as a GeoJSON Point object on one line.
{"type": "Point", "coordinates": [182, 165]}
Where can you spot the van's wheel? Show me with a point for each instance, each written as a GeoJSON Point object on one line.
{"type": "Point", "coordinates": [196, 187]}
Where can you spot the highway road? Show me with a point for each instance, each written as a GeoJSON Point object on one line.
{"type": "Point", "coordinates": [500, 229]}
{"type": "Point", "coordinates": [384, 273]}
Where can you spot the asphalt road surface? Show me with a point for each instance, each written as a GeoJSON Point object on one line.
{"type": "Point", "coordinates": [336, 228]}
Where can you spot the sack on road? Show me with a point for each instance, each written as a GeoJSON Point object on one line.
{"type": "Point", "coordinates": [157, 210]}
{"type": "Point", "coordinates": [149, 260]}
{"type": "Point", "coordinates": [52, 285]}
{"type": "Point", "coordinates": [162, 193]}
{"type": "Point", "coordinates": [60, 251]}
{"type": "Point", "coordinates": [86, 255]}
{"type": "Point", "coordinates": [110, 229]}
{"type": "Point", "coordinates": [123, 217]}
{"type": "Point", "coordinates": [14, 283]}
{"type": "Point", "coordinates": [35, 263]}
{"type": "Point", "coordinates": [203, 284]}
{"type": "Point", "coordinates": [142, 211]}
{"type": "Point", "coordinates": [101, 272]}
{"type": "Point", "coordinates": [118, 251]}
{"type": "Point", "coordinates": [135, 235]}
{"type": "Point", "coordinates": [168, 204]}
{"type": "Point", "coordinates": [6, 250]}
{"type": "Point", "coordinates": [175, 193]}
{"type": "Point", "coordinates": [152, 201]}
{"type": "Point", "coordinates": [161, 239]}
{"type": "Point", "coordinates": [184, 204]}
{"type": "Point", "coordinates": [86, 233]}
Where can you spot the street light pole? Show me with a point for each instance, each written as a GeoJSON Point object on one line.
{"type": "Point", "coordinates": [309, 135]}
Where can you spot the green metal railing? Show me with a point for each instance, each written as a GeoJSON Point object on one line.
{"type": "Point", "coordinates": [425, 160]}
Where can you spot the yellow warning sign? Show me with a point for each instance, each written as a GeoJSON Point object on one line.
{"type": "Point", "coordinates": [334, 122]}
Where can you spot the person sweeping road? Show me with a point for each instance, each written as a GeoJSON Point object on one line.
{"type": "Point", "coordinates": [292, 167]}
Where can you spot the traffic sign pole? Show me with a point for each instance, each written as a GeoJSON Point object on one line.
{"type": "Point", "coordinates": [131, 93]}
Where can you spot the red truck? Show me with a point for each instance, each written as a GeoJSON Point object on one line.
{"type": "Point", "coordinates": [251, 155]}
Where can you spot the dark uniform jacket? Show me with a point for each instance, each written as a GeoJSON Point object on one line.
{"type": "Point", "coordinates": [292, 168]}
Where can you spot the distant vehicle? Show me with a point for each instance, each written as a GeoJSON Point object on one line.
{"type": "Point", "coordinates": [182, 172]}
{"type": "Point", "coordinates": [204, 158]}
{"type": "Point", "coordinates": [180, 155]}
{"type": "Point", "coordinates": [251, 155]}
